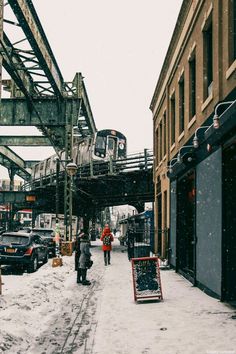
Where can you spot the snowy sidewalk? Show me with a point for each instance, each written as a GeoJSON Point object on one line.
{"type": "Point", "coordinates": [47, 312]}
{"type": "Point", "coordinates": [186, 322]}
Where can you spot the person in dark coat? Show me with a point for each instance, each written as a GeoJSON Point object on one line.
{"type": "Point", "coordinates": [107, 238]}
{"type": "Point", "coordinates": [84, 257]}
{"type": "Point", "coordinates": [130, 243]}
{"type": "Point", "coordinates": [77, 248]}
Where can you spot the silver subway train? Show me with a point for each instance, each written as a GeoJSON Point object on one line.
{"type": "Point", "coordinates": [105, 144]}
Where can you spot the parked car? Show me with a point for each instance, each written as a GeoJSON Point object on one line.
{"type": "Point", "coordinates": [47, 235]}
{"type": "Point", "coordinates": [21, 249]}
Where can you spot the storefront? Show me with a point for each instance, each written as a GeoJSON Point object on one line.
{"type": "Point", "coordinates": [203, 211]}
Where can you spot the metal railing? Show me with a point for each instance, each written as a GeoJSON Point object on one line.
{"type": "Point", "coordinates": [141, 161]}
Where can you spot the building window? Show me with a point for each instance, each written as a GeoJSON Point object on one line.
{"type": "Point", "coordinates": [181, 104]}
{"type": "Point", "coordinates": [156, 147]}
{"type": "Point", "coordinates": [232, 31]}
{"type": "Point", "coordinates": [192, 86]}
{"type": "Point", "coordinates": [161, 141]}
{"type": "Point", "coordinates": [159, 223]}
{"type": "Point", "coordinates": [208, 58]}
{"type": "Point", "coordinates": [165, 210]}
{"type": "Point", "coordinates": [165, 133]}
{"type": "Point", "coordinates": [172, 117]}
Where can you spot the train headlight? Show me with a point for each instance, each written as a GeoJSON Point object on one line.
{"type": "Point", "coordinates": [121, 146]}
{"type": "Point", "coordinates": [102, 155]}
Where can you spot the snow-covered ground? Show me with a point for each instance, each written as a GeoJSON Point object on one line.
{"type": "Point", "coordinates": [47, 312]}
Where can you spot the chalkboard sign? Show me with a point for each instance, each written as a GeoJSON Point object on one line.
{"type": "Point", "coordinates": [146, 278]}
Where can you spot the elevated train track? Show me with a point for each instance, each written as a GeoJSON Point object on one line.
{"type": "Point", "coordinates": [116, 182]}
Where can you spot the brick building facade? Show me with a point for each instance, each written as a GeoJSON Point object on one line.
{"type": "Point", "coordinates": [194, 131]}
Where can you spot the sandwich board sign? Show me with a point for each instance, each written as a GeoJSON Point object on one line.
{"type": "Point", "coordinates": [146, 278]}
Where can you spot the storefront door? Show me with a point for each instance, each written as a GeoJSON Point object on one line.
{"type": "Point", "coordinates": [229, 223]}
{"type": "Point", "coordinates": [186, 248]}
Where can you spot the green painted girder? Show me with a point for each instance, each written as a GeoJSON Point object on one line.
{"type": "Point", "coordinates": [14, 111]}
{"type": "Point", "coordinates": [15, 197]}
{"type": "Point", "coordinates": [81, 93]}
{"type": "Point", "coordinates": [52, 122]}
{"type": "Point", "coordinates": [15, 68]}
{"type": "Point", "coordinates": [9, 158]}
{"type": "Point", "coordinates": [30, 23]}
{"type": "Point", "coordinates": [24, 141]}
{"type": "Point", "coordinates": [53, 116]}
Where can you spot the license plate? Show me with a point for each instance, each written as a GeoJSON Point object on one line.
{"type": "Point", "coordinates": [10, 250]}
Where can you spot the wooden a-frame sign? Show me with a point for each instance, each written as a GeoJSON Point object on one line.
{"type": "Point", "coordinates": [146, 278]}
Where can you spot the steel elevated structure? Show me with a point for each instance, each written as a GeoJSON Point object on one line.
{"type": "Point", "coordinates": [40, 97]}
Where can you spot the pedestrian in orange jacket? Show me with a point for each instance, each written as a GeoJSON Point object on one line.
{"type": "Point", "coordinates": [107, 238]}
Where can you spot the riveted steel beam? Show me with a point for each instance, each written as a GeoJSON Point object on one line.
{"type": "Point", "coordinates": [53, 117]}
{"type": "Point", "coordinates": [16, 69]}
{"type": "Point", "coordinates": [15, 197]}
{"type": "Point", "coordinates": [1, 37]}
{"type": "Point", "coordinates": [29, 21]}
{"type": "Point", "coordinates": [9, 158]}
{"type": "Point", "coordinates": [15, 111]}
{"type": "Point", "coordinates": [24, 141]}
{"type": "Point", "coordinates": [12, 156]}
{"type": "Point", "coordinates": [86, 108]}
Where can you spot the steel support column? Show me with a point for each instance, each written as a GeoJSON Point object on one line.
{"type": "Point", "coordinates": [1, 37]}
{"type": "Point", "coordinates": [68, 179]}
{"type": "Point", "coordinates": [57, 187]}
{"type": "Point", "coordinates": [11, 172]}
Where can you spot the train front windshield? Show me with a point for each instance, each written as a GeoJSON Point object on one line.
{"type": "Point", "coordinates": [110, 143]}
{"type": "Point", "coordinates": [112, 146]}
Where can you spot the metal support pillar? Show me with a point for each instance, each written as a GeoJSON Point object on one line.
{"type": "Point", "coordinates": [1, 37]}
{"type": "Point", "coordinates": [93, 226]}
{"type": "Point", "coordinates": [34, 215]}
{"type": "Point", "coordinates": [86, 219]}
{"type": "Point", "coordinates": [145, 160]}
{"type": "Point", "coordinates": [57, 187]}
{"type": "Point", "coordinates": [11, 173]}
{"type": "Point", "coordinates": [68, 179]}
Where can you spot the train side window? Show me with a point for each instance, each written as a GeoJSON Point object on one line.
{"type": "Point", "coordinates": [48, 163]}
{"type": "Point", "coordinates": [37, 168]}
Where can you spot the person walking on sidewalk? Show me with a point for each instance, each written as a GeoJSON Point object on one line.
{"type": "Point", "coordinates": [84, 258]}
{"type": "Point", "coordinates": [107, 238]}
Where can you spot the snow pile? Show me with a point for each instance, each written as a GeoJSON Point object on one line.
{"type": "Point", "coordinates": [47, 312]}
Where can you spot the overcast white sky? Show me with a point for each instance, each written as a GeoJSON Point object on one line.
{"type": "Point", "coordinates": [119, 46]}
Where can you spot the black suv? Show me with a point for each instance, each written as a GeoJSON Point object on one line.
{"type": "Point", "coordinates": [48, 237]}
{"type": "Point", "coordinates": [22, 249]}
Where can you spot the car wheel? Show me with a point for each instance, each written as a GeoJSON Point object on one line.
{"type": "Point", "coordinates": [45, 260]}
{"type": "Point", "coordinates": [33, 264]}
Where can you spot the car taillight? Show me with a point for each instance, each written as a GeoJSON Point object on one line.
{"type": "Point", "coordinates": [29, 251]}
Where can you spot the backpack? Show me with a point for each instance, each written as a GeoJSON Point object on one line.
{"type": "Point", "coordinates": [106, 240]}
